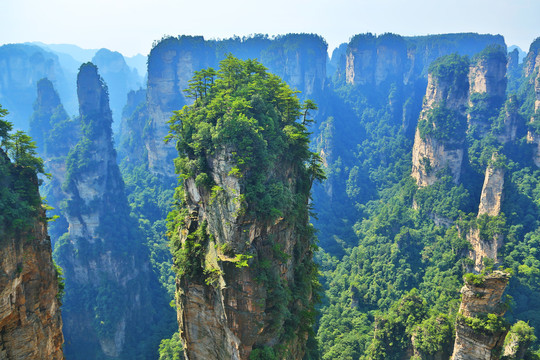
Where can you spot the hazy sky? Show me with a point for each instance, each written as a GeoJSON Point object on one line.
{"type": "Point", "coordinates": [130, 26]}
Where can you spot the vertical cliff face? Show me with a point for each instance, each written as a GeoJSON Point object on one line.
{"type": "Point", "coordinates": [488, 75]}
{"type": "Point", "coordinates": [132, 129]}
{"type": "Point", "coordinates": [120, 79]}
{"type": "Point", "coordinates": [106, 306]}
{"type": "Point", "coordinates": [46, 107]}
{"type": "Point", "coordinates": [532, 71]}
{"type": "Point", "coordinates": [512, 122]}
{"type": "Point", "coordinates": [228, 314]}
{"type": "Point", "coordinates": [241, 239]}
{"type": "Point", "coordinates": [492, 190]}
{"type": "Point", "coordinates": [30, 322]}
{"type": "Point", "coordinates": [300, 60]}
{"type": "Point", "coordinates": [484, 246]}
{"type": "Point", "coordinates": [480, 328]}
{"type": "Point", "coordinates": [55, 135]}
{"type": "Point", "coordinates": [440, 136]}
{"type": "Point", "coordinates": [373, 60]}
{"type": "Point", "coordinates": [171, 64]}
{"type": "Point", "coordinates": [487, 81]}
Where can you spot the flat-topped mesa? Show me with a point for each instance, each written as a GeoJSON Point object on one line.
{"type": "Point", "coordinates": [512, 122]}
{"type": "Point", "coordinates": [372, 60]}
{"type": "Point", "coordinates": [171, 63]}
{"type": "Point", "coordinates": [480, 327]}
{"type": "Point", "coordinates": [487, 81]}
{"type": "Point", "coordinates": [440, 135]}
{"type": "Point", "coordinates": [30, 321]}
{"type": "Point", "coordinates": [299, 59]}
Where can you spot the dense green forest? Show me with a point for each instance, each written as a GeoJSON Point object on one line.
{"type": "Point", "coordinates": [19, 167]}
{"type": "Point", "coordinates": [393, 253]}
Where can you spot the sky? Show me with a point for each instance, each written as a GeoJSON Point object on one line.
{"type": "Point", "coordinates": [131, 26]}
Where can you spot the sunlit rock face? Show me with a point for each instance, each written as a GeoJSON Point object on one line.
{"type": "Point", "coordinates": [230, 310]}
{"type": "Point", "coordinates": [476, 300]}
{"type": "Point", "coordinates": [30, 321]}
{"type": "Point", "coordinates": [431, 155]}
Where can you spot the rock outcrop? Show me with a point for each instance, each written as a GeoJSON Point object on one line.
{"type": "Point", "coordinates": [532, 71]}
{"type": "Point", "coordinates": [120, 79]}
{"type": "Point", "coordinates": [486, 247]}
{"type": "Point", "coordinates": [512, 124]}
{"type": "Point", "coordinates": [240, 236]}
{"type": "Point", "coordinates": [481, 301]}
{"type": "Point", "coordinates": [30, 321]}
{"type": "Point", "coordinates": [487, 81]}
{"type": "Point", "coordinates": [492, 190]}
{"type": "Point", "coordinates": [435, 147]}
{"type": "Point", "coordinates": [55, 135]}
{"type": "Point", "coordinates": [230, 313]}
{"type": "Point", "coordinates": [299, 59]}
{"type": "Point", "coordinates": [372, 60]}
{"type": "Point", "coordinates": [106, 270]}
{"type": "Point", "coordinates": [171, 64]}
{"type": "Point", "coordinates": [21, 67]}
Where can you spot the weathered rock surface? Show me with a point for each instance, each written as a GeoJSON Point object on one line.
{"type": "Point", "coordinates": [173, 61]}
{"type": "Point", "coordinates": [233, 311]}
{"type": "Point", "coordinates": [487, 77]}
{"type": "Point", "coordinates": [372, 60]}
{"type": "Point", "coordinates": [431, 155]}
{"type": "Point", "coordinates": [106, 271]}
{"type": "Point", "coordinates": [532, 71]}
{"type": "Point", "coordinates": [512, 122]}
{"type": "Point", "coordinates": [478, 300]}
{"type": "Point", "coordinates": [492, 191]}
{"type": "Point", "coordinates": [482, 246]}
{"type": "Point", "coordinates": [30, 321]}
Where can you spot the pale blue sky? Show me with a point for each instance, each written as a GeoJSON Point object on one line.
{"type": "Point", "coordinates": [130, 26]}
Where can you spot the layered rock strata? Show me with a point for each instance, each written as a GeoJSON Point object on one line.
{"type": "Point", "coordinates": [232, 311]}
{"type": "Point", "coordinates": [107, 273]}
{"type": "Point", "coordinates": [433, 153]}
{"type": "Point", "coordinates": [173, 61]}
{"type": "Point", "coordinates": [30, 321]}
{"type": "Point", "coordinates": [532, 71]}
{"type": "Point", "coordinates": [487, 87]}
{"type": "Point", "coordinates": [481, 301]}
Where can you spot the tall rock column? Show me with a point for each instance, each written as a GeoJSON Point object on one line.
{"type": "Point", "coordinates": [107, 273]}
{"type": "Point", "coordinates": [241, 240]}
{"type": "Point", "coordinates": [440, 135]}
{"type": "Point", "coordinates": [480, 328]}
{"type": "Point", "coordinates": [30, 322]}
{"type": "Point", "coordinates": [532, 70]}
{"type": "Point", "coordinates": [487, 79]}
{"type": "Point", "coordinates": [485, 246]}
